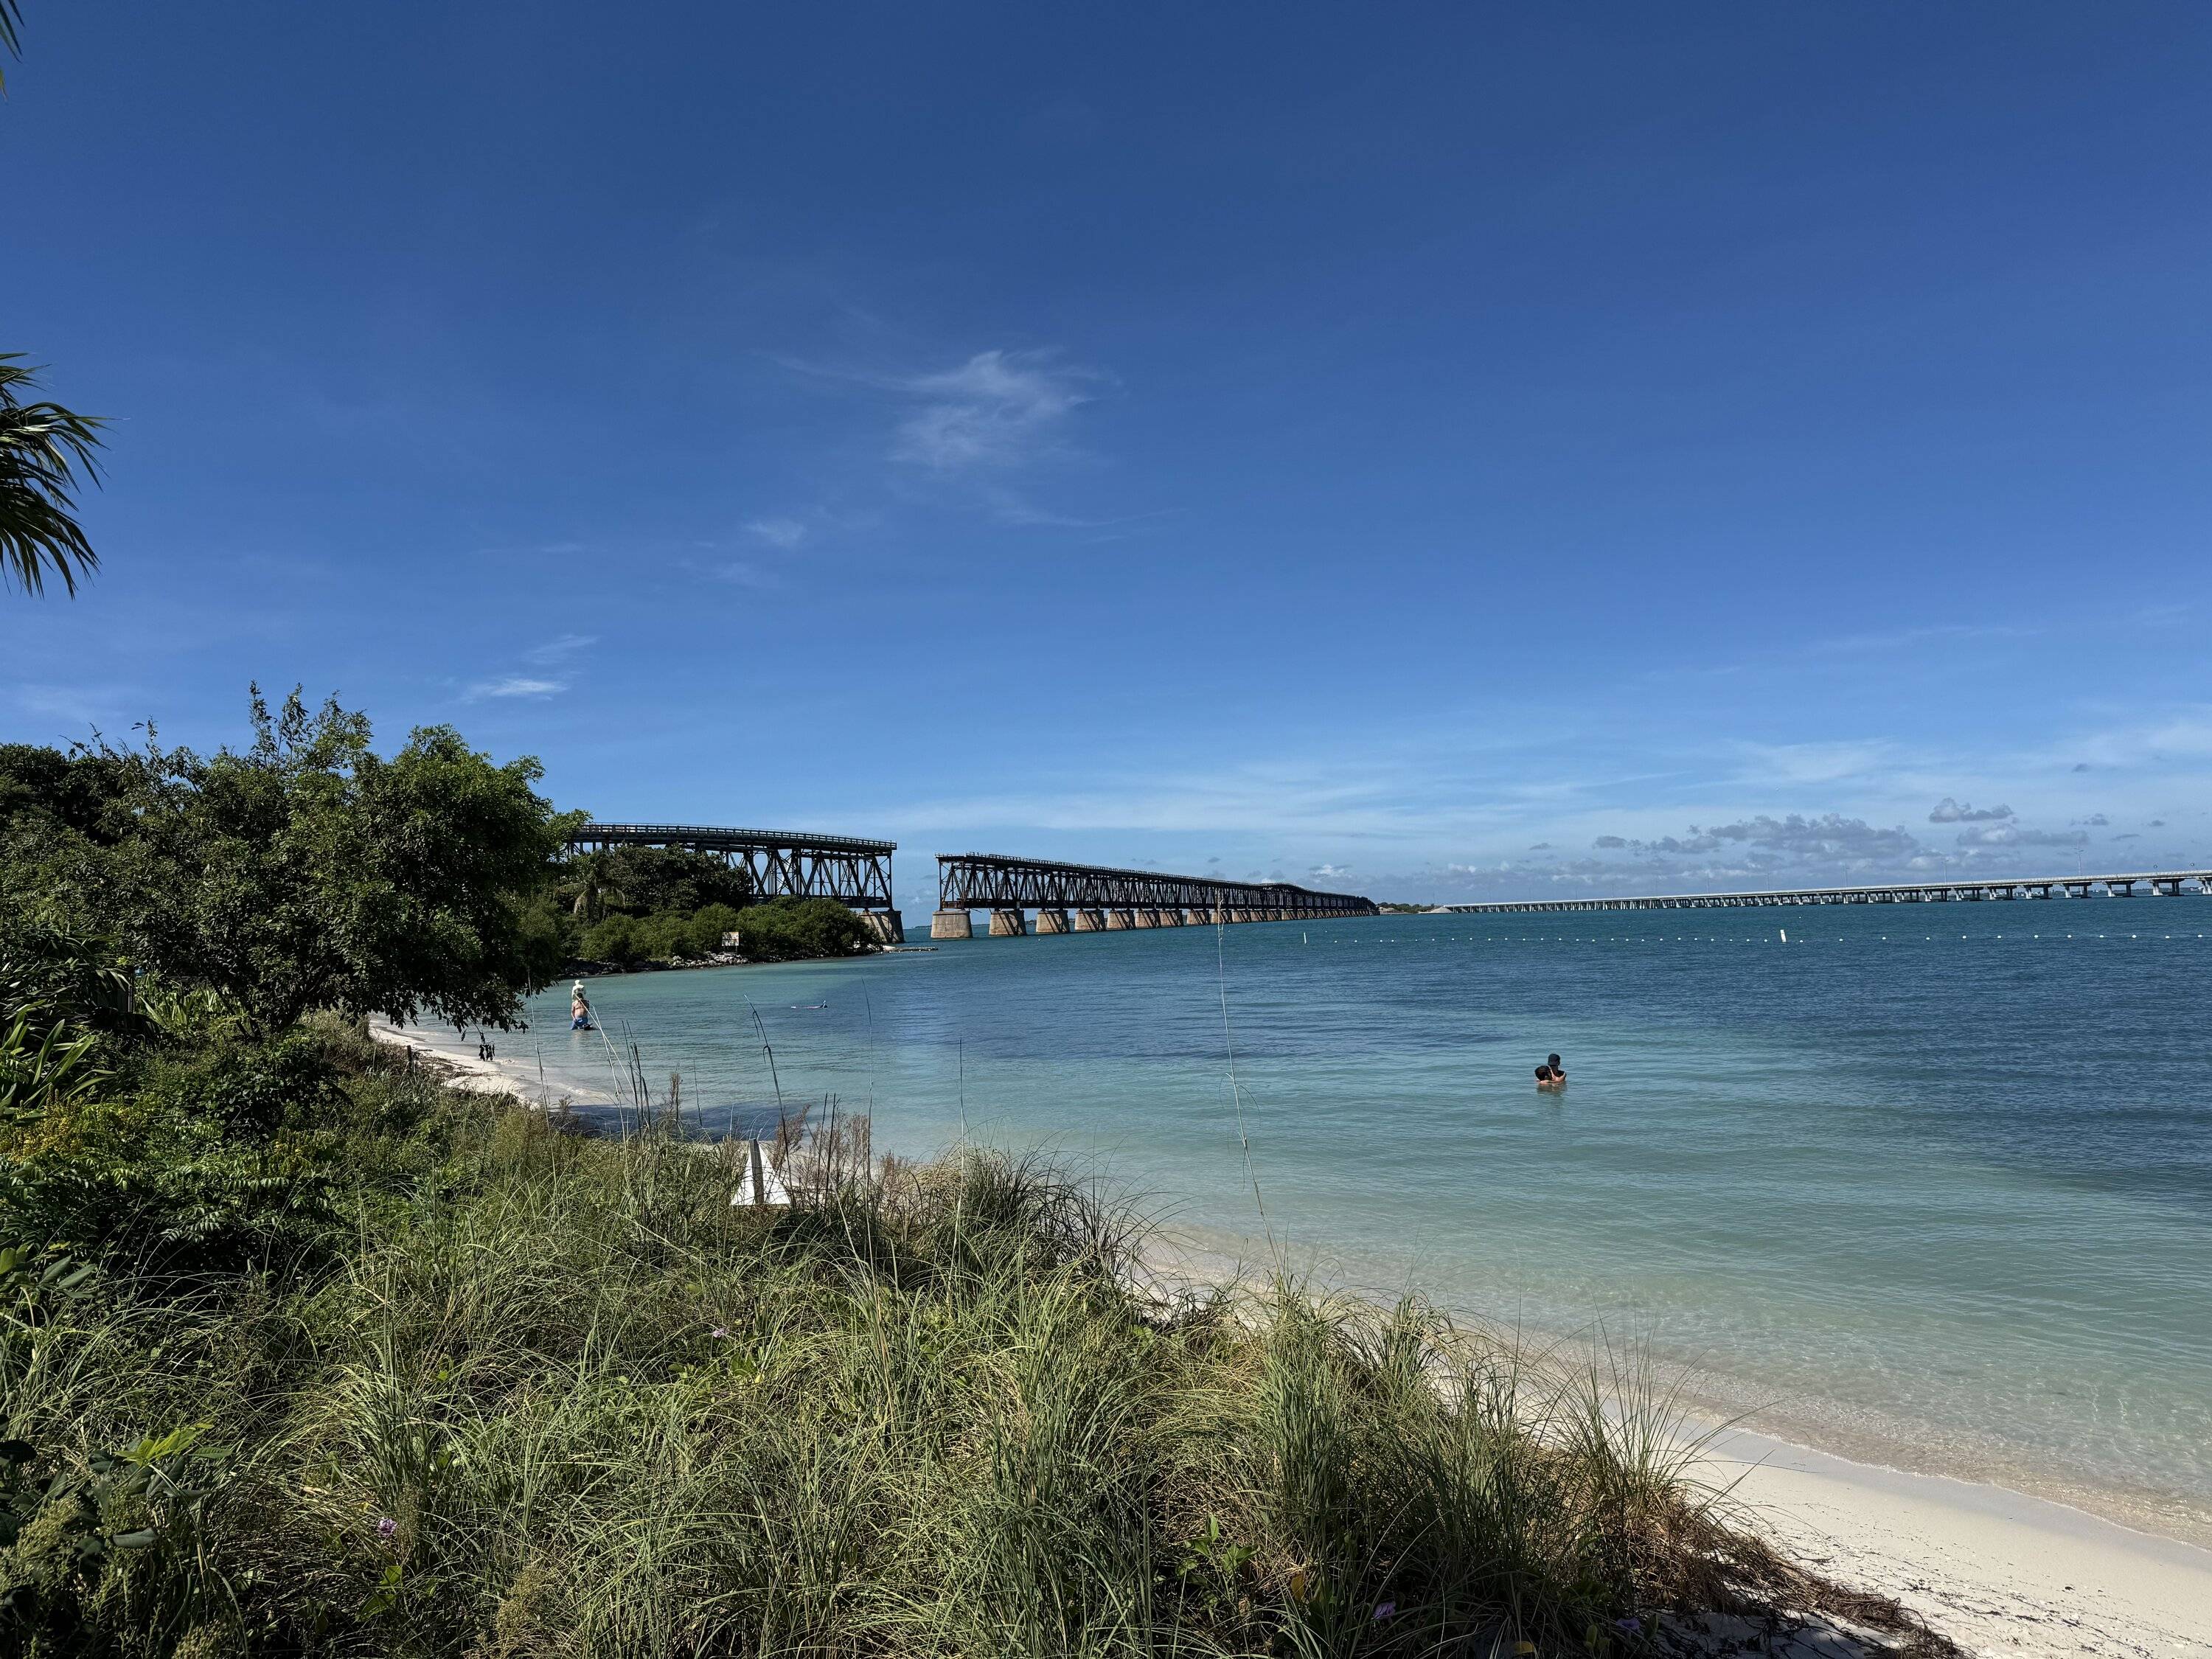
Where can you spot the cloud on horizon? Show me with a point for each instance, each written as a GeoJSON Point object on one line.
{"type": "Point", "coordinates": [1948, 811]}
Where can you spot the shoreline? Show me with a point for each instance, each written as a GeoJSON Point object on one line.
{"type": "Point", "coordinates": [1999, 1571]}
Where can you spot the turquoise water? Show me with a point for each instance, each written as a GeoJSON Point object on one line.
{"type": "Point", "coordinates": [1931, 1187]}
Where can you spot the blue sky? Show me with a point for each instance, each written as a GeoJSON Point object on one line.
{"type": "Point", "coordinates": [1438, 452]}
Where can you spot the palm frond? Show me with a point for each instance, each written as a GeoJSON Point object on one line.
{"type": "Point", "coordinates": [11, 32]}
{"type": "Point", "coordinates": [46, 451]}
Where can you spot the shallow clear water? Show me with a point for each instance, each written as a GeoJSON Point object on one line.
{"type": "Point", "coordinates": [1931, 1186]}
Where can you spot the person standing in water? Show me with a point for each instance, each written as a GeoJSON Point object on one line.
{"type": "Point", "coordinates": [580, 1009]}
{"type": "Point", "coordinates": [1551, 1074]}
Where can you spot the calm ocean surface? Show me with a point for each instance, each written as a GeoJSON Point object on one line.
{"type": "Point", "coordinates": [1927, 1185]}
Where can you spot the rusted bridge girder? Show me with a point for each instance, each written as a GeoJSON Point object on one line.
{"type": "Point", "coordinates": [1099, 897]}
{"type": "Point", "coordinates": [783, 863]}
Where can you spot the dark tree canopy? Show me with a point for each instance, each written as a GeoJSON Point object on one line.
{"type": "Point", "coordinates": [649, 880]}
{"type": "Point", "coordinates": [306, 871]}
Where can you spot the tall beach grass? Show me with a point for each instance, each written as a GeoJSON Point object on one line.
{"type": "Point", "coordinates": [548, 1394]}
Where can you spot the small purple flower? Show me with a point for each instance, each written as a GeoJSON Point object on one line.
{"type": "Point", "coordinates": [718, 1331]}
{"type": "Point", "coordinates": [1629, 1626]}
{"type": "Point", "coordinates": [1386, 1610]}
{"type": "Point", "coordinates": [386, 1526]}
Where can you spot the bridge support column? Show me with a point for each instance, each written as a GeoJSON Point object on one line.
{"type": "Point", "coordinates": [884, 926]}
{"type": "Point", "coordinates": [1170, 917]}
{"type": "Point", "coordinates": [1196, 918]}
{"type": "Point", "coordinates": [1117, 919]}
{"type": "Point", "coordinates": [1051, 921]}
{"type": "Point", "coordinates": [951, 924]}
{"type": "Point", "coordinates": [1145, 918]}
{"type": "Point", "coordinates": [1007, 924]}
{"type": "Point", "coordinates": [1090, 921]}
{"type": "Point", "coordinates": [2120, 888]}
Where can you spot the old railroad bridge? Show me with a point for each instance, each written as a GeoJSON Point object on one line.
{"type": "Point", "coordinates": [2165, 884]}
{"type": "Point", "coordinates": [1085, 898]}
{"type": "Point", "coordinates": [782, 863]}
{"type": "Point", "coordinates": [1078, 898]}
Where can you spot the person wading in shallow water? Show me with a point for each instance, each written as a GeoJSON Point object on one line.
{"type": "Point", "coordinates": [580, 1009]}
{"type": "Point", "coordinates": [1551, 1074]}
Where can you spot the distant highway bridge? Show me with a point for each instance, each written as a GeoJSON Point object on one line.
{"type": "Point", "coordinates": [782, 863]}
{"type": "Point", "coordinates": [2165, 884]}
{"type": "Point", "coordinates": [1085, 898]}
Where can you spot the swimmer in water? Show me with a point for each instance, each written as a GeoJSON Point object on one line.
{"type": "Point", "coordinates": [1552, 1075]}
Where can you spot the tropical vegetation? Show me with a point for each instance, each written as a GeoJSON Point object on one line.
{"type": "Point", "coordinates": [303, 1354]}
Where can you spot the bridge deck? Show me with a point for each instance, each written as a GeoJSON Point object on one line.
{"type": "Point", "coordinates": [996, 881]}
{"type": "Point", "coordinates": [709, 838]}
{"type": "Point", "coordinates": [782, 863]}
{"type": "Point", "coordinates": [2161, 882]}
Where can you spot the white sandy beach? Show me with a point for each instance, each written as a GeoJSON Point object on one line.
{"type": "Point", "coordinates": [2000, 1572]}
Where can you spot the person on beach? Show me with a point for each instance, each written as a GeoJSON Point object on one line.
{"type": "Point", "coordinates": [580, 1009]}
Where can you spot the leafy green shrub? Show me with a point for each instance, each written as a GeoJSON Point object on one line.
{"type": "Point", "coordinates": [306, 871]}
{"type": "Point", "coordinates": [708, 926]}
{"type": "Point", "coordinates": [615, 940]}
{"type": "Point", "coordinates": [788, 930]}
{"type": "Point", "coordinates": [113, 1548]}
{"type": "Point", "coordinates": [665, 936]}
{"type": "Point", "coordinates": [142, 1177]}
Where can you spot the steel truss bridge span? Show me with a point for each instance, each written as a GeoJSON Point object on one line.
{"type": "Point", "coordinates": [1082, 897]}
{"type": "Point", "coordinates": [2164, 883]}
{"type": "Point", "coordinates": [782, 863]}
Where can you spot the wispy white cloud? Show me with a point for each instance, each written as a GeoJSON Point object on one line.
{"type": "Point", "coordinates": [998, 410]}
{"type": "Point", "coordinates": [516, 686]}
{"type": "Point", "coordinates": [1907, 639]}
{"type": "Point", "coordinates": [780, 533]}
{"type": "Point", "coordinates": [1815, 762]}
{"type": "Point", "coordinates": [743, 573]}
{"type": "Point", "coordinates": [561, 648]}
{"type": "Point", "coordinates": [2011, 834]}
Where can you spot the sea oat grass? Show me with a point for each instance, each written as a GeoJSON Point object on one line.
{"type": "Point", "coordinates": [541, 1394]}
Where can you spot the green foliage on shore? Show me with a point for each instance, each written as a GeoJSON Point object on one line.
{"type": "Point", "coordinates": [304, 872]}
{"type": "Point", "coordinates": [779, 930]}
{"type": "Point", "coordinates": [642, 881]}
{"type": "Point", "coordinates": [627, 905]}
